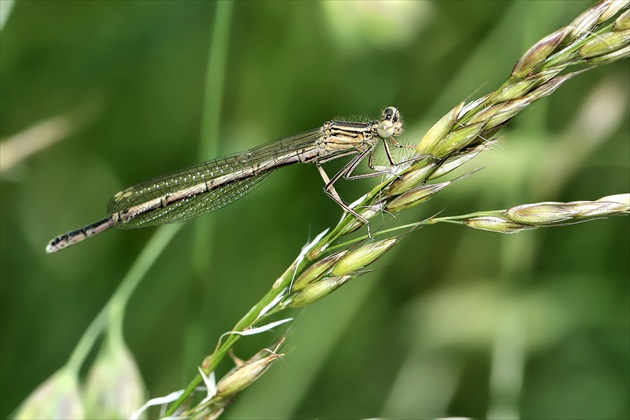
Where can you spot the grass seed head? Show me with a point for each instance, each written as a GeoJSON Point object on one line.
{"type": "Point", "coordinates": [495, 224]}
{"type": "Point", "coordinates": [316, 291]}
{"type": "Point", "coordinates": [583, 24]}
{"type": "Point", "coordinates": [455, 161]}
{"type": "Point", "coordinates": [605, 44]}
{"type": "Point", "coordinates": [415, 197]}
{"type": "Point", "coordinates": [623, 199]}
{"type": "Point", "coordinates": [541, 213]}
{"type": "Point", "coordinates": [243, 376]}
{"type": "Point", "coordinates": [417, 174]}
{"type": "Point", "coordinates": [58, 397]}
{"type": "Point", "coordinates": [362, 257]}
{"type": "Point", "coordinates": [613, 7]}
{"type": "Point", "coordinates": [457, 140]}
{"type": "Point", "coordinates": [316, 270]}
{"type": "Point", "coordinates": [623, 21]}
{"type": "Point", "coordinates": [439, 131]}
{"type": "Point", "coordinates": [539, 53]}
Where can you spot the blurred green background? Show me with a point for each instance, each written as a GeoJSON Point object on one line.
{"type": "Point", "coordinates": [453, 322]}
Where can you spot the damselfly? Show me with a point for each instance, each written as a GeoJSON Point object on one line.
{"type": "Point", "coordinates": [208, 186]}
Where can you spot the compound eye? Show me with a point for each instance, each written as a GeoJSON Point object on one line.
{"type": "Point", "coordinates": [385, 129]}
{"type": "Point", "coordinates": [388, 113]}
{"type": "Point", "coordinates": [391, 114]}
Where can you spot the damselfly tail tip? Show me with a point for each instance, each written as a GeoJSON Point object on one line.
{"type": "Point", "coordinates": [71, 238]}
{"type": "Point", "coordinates": [50, 248]}
{"type": "Point", "coordinates": [56, 244]}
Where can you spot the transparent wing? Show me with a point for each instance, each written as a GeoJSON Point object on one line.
{"type": "Point", "coordinates": [194, 206]}
{"type": "Point", "coordinates": [210, 201]}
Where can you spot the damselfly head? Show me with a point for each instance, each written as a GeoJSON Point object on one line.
{"type": "Point", "coordinates": [390, 125]}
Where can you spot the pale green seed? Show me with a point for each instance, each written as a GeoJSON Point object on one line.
{"type": "Point", "coordinates": [538, 53]}
{"type": "Point", "coordinates": [584, 23]}
{"type": "Point", "coordinates": [495, 224]}
{"type": "Point", "coordinates": [455, 161]}
{"type": "Point", "coordinates": [617, 198]}
{"type": "Point", "coordinates": [354, 223]}
{"type": "Point", "coordinates": [605, 43]}
{"type": "Point", "coordinates": [514, 90]}
{"type": "Point", "coordinates": [599, 208]}
{"type": "Point", "coordinates": [316, 270]}
{"type": "Point", "coordinates": [417, 174]}
{"type": "Point", "coordinates": [316, 291]}
{"type": "Point", "coordinates": [500, 113]}
{"type": "Point", "coordinates": [114, 386]}
{"type": "Point", "coordinates": [541, 213]}
{"type": "Point", "coordinates": [457, 140]}
{"type": "Point", "coordinates": [57, 397]}
{"type": "Point", "coordinates": [610, 58]}
{"type": "Point", "coordinates": [549, 87]}
{"type": "Point", "coordinates": [623, 21]}
{"type": "Point", "coordinates": [415, 197]}
{"type": "Point", "coordinates": [362, 257]}
{"type": "Point", "coordinates": [439, 131]}
{"type": "Point", "coordinates": [509, 110]}
{"type": "Point", "coordinates": [613, 7]}
{"type": "Point", "coordinates": [243, 376]}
